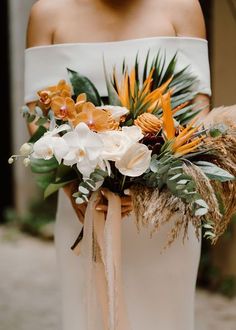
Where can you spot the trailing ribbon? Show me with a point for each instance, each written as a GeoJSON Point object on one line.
{"type": "Point", "coordinates": [101, 248]}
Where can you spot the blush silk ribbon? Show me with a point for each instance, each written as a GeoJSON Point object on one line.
{"type": "Point", "coordinates": [101, 249]}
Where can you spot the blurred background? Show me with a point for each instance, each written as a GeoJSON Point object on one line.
{"type": "Point", "coordinates": [28, 291]}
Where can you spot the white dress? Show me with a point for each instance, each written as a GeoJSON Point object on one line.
{"type": "Point", "coordinates": [159, 287]}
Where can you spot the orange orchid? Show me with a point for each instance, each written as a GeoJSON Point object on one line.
{"type": "Point", "coordinates": [80, 101]}
{"type": "Point", "coordinates": [184, 142]}
{"type": "Point", "coordinates": [63, 108]}
{"type": "Point", "coordinates": [96, 119]}
{"type": "Point", "coordinates": [61, 89]}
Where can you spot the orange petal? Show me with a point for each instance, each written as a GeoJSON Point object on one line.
{"type": "Point", "coordinates": [189, 145]}
{"type": "Point", "coordinates": [179, 141]}
{"type": "Point", "coordinates": [168, 121]}
{"type": "Point", "coordinates": [132, 81]}
{"type": "Point", "coordinates": [81, 98]}
{"type": "Point", "coordinates": [57, 103]}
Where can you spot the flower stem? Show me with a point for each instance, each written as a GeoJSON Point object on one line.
{"type": "Point", "coordinates": [122, 183]}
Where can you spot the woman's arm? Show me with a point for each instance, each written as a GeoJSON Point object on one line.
{"type": "Point", "coordinates": [188, 20]}
{"type": "Point", "coordinates": [41, 24]}
{"type": "Point", "coordinates": [40, 32]}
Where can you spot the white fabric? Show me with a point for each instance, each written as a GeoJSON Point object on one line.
{"type": "Point", "coordinates": [46, 65]}
{"type": "Point", "coordinates": [159, 288]}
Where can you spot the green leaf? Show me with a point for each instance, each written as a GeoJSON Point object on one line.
{"type": "Point", "coordinates": [37, 135]}
{"type": "Point", "coordinates": [201, 211]}
{"type": "Point", "coordinates": [79, 200]}
{"type": "Point", "coordinates": [83, 190]}
{"type": "Point", "coordinates": [183, 182]}
{"type": "Point", "coordinates": [176, 176]}
{"type": "Point", "coordinates": [209, 234]}
{"type": "Point", "coordinates": [207, 226]}
{"type": "Point", "coordinates": [201, 203]}
{"type": "Point", "coordinates": [54, 187]}
{"type": "Point", "coordinates": [30, 118]}
{"type": "Point", "coordinates": [218, 130]}
{"type": "Point", "coordinates": [82, 84]}
{"type": "Point", "coordinates": [96, 177]}
{"type": "Point", "coordinates": [41, 121]}
{"type": "Point", "coordinates": [112, 94]}
{"type": "Point", "coordinates": [43, 180]}
{"type": "Point", "coordinates": [214, 172]}
{"type": "Point", "coordinates": [65, 173]}
{"type": "Point", "coordinates": [43, 166]}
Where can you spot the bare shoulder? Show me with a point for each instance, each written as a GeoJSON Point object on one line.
{"type": "Point", "coordinates": [188, 19]}
{"type": "Point", "coordinates": [43, 17]}
{"type": "Point", "coordinates": [43, 9]}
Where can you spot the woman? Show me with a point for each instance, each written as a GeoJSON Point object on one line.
{"type": "Point", "coordinates": [159, 288]}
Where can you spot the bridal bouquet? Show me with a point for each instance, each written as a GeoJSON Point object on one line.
{"type": "Point", "coordinates": [143, 137]}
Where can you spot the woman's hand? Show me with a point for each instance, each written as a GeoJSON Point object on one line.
{"type": "Point", "coordinates": [71, 188]}
{"type": "Point", "coordinates": [126, 203]}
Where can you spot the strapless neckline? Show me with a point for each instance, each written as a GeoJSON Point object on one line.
{"type": "Point", "coordinates": [45, 65]}
{"type": "Point", "coordinates": [119, 42]}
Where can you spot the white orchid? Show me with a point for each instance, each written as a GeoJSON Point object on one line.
{"type": "Point", "coordinates": [50, 145]}
{"type": "Point", "coordinates": [85, 148]}
{"type": "Point", "coordinates": [135, 161]}
{"type": "Point", "coordinates": [57, 130]}
{"type": "Point", "coordinates": [116, 143]}
{"type": "Point", "coordinates": [116, 111]}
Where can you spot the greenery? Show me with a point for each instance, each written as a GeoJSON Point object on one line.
{"type": "Point", "coordinates": [40, 213]}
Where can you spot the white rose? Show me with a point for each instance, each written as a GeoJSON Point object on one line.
{"type": "Point", "coordinates": [116, 143]}
{"type": "Point", "coordinates": [135, 161]}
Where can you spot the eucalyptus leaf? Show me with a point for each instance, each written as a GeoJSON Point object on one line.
{"type": "Point", "coordinates": [79, 200]}
{"type": "Point", "coordinates": [41, 121]}
{"type": "Point", "coordinates": [30, 118]}
{"type": "Point", "coordinates": [218, 130]}
{"type": "Point", "coordinates": [209, 234]}
{"type": "Point", "coordinates": [207, 226]}
{"type": "Point", "coordinates": [214, 172]}
{"type": "Point", "coordinates": [201, 203]}
{"type": "Point", "coordinates": [176, 176]}
{"type": "Point", "coordinates": [83, 190]}
{"type": "Point", "coordinates": [201, 211]}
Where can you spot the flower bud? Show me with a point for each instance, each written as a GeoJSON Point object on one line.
{"type": "Point", "coordinates": [11, 160]}
{"type": "Point", "coordinates": [26, 162]}
{"type": "Point", "coordinates": [25, 149]}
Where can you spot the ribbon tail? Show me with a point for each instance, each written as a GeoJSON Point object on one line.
{"type": "Point", "coordinates": [101, 247]}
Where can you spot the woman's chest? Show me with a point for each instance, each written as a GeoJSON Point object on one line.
{"type": "Point", "coordinates": [99, 24]}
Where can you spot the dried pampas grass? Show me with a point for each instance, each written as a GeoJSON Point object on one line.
{"type": "Point", "coordinates": [154, 208]}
